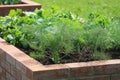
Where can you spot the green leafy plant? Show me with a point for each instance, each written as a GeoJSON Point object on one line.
{"type": "Point", "coordinates": [10, 27]}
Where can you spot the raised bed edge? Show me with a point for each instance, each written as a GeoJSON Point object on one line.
{"type": "Point", "coordinates": [28, 6]}
{"type": "Point", "coordinates": [15, 64]}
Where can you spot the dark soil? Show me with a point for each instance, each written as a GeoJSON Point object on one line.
{"type": "Point", "coordinates": [77, 58]}
{"type": "Point", "coordinates": [83, 56]}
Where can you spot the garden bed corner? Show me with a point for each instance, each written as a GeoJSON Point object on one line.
{"type": "Point", "coordinates": [16, 65]}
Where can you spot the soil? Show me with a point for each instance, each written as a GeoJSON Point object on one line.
{"type": "Point", "coordinates": [76, 58]}
{"type": "Point", "coordinates": [83, 56]}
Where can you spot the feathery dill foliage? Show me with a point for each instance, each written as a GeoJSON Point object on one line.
{"type": "Point", "coordinates": [54, 35]}
{"type": "Point", "coordinates": [5, 2]}
{"type": "Point", "coordinates": [102, 34]}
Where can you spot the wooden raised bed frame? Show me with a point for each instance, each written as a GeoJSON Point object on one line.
{"type": "Point", "coordinates": [27, 6]}
{"type": "Point", "coordinates": [16, 65]}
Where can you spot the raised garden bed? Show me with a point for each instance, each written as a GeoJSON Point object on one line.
{"type": "Point", "coordinates": [16, 65]}
{"type": "Point", "coordinates": [56, 36]}
{"type": "Point", "coordinates": [26, 5]}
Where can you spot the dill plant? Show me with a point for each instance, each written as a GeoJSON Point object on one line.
{"type": "Point", "coordinates": [102, 34]}
{"type": "Point", "coordinates": [57, 38]}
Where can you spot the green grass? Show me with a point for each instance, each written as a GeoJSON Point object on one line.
{"type": "Point", "coordinates": [84, 7]}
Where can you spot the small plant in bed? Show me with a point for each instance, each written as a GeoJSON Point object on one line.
{"type": "Point", "coordinates": [9, 2]}
{"type": "Point", "coordinates": [53, 36]}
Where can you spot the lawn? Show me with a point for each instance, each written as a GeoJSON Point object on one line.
{"type": "Point", "coordinates": [84, 7]}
